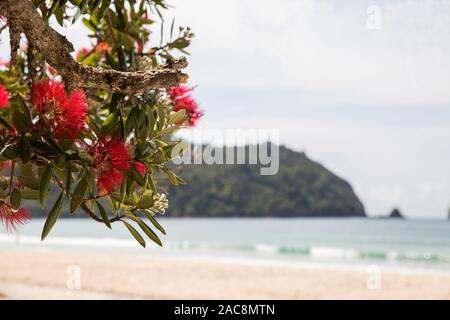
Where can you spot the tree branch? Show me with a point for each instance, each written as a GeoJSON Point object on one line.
{"type": "Point", "coordinates": [94, 216]}
{"type": "Point", "coordinates": [23, 17]}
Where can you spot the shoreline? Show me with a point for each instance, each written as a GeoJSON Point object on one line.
{"type": "Point", "coordinates": [117, 247]}
{"type": "Point", "coordinates": [43, 274]}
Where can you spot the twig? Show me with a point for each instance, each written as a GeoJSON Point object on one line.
{"type": "Point", "coordinates": [11, 177]}
{"type": "Point", "coordinates": [94, 216]}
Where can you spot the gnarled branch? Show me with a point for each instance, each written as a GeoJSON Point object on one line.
{"type": "Point", "coordinates": [22, 16]}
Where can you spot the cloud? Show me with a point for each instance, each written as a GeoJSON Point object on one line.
{"type": "Point", "coordinates": [324, 47]}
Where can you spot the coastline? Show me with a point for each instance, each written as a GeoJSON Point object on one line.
{"type": "Point", "coordinates": [33, 273]}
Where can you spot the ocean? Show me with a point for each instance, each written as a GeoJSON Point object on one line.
{"type": "Point", "coordinates": [400, 244]}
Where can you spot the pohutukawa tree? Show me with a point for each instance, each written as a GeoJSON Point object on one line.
{"type": "Point", "coordinates": [93, 127]}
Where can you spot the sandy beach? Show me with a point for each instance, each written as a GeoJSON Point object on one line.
{"type": "Point", "coordinates": [39, 274]}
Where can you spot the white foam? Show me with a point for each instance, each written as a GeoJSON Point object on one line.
{"type": "Point", "coordinates": [329, 252]}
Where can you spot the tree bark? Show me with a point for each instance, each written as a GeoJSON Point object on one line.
{"type": "Point", "coordinates": [23, 18]}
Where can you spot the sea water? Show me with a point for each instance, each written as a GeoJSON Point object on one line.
{"type": "Point", "coordinates": [408, 244]}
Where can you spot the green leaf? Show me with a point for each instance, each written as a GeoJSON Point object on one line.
{"type": "Point", "coordinates": [81, 7]}
{"type": "Point", "coordinates": [15, 199]}
{"type": "Point", "coordinates": [78, 195]}
{"type": "Point", "coordinates": [60, 161]}
{"type": "Point", "coordinates": [135, 234]}
{"type": "Point", "coordinates": [26, 169]}
{"type": "Point", "coordinates": [54, 144]}
{"type": "Point", "coordinates": [126, 201]}
{"type": "Point", "coordinates": [43, 148]}
{"type": "Point", "coordinates": [177, 116]}
{"type": "Point", "coordinates": [45, 180]}
{"type": "Point", "coordinates": [171, 28]}
{"type": "Point", "coordinates": [52, 217]}
{"type": "Point", "coordinates": [129, 124]}
{"type": "Point", "coordinates": [89, 25]}
{"type": "Point", "coordinates": [62, 2]}
{"type": "Point", "coordinates": [65, 144]}
{"type": "Point", "coordinates": [30, 182]}
{"type": "Point", "coordinates": [109, 124]}
{"type": "Point", "coordinates": [24, 109]}
{"type": "Point", "coordinates": [95, 6]}
{"type": "Point", "coordinates": [123, 133]}
{"type": "Point", "coordinates": [154, 222]}
{"type": "Point", "coordinates": [122, 58]}
{"type": "Point", "coordinates": [20, 121]}
{"type": "Point", "coordinates": [103, 214]}
{"type": "Point", "coordinates": [151, 120]}
{"type": "Point", "coordinates": [53, 7]}
{"type": "Point", "coordinates": [136, 175]}
{"type": "Point", "coordinates": [132, 216]}
{"type": "Point", "coordinates": [103, 9]}
{"type": "Point", "coordinates": [59, 14]}
{"type": "Point", "coordinates": [149, 232]}
{"type": "Point", "coordinates": [68, 180]}
{"type": "Point", "coordinates": [173, 178]}
{"type": "Point", "coordinates": [123, 191]}
{"type": "Point", "coordinates": [29, 194]}
{"type": "Point", "coordinates": [146, 201]}
{"type": "Point", "coordinates": [111, 61]}
{"type": "Point", "coordinates": [24, 149]}
{"type": "Point", "coordinates": [5, 123]}
{"type": "Point", "coordinates": [151, 184]}
{"type": "Point", "coordinates": [10, 152]}
{"type": "Point", "coordinates": [94, 127]}
{"type": "Point", "coordinates": [161, 118]}
{"type": "Point", "coordinates": [167, 131]}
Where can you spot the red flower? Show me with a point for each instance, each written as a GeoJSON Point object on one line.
{"type": "Point", "coordinates": [111, 160]}
{"type": "Point", "coordinates": [66, 116]}
{"type": "Point", "coordinates": [182, 98]}
{"type": "Point", "coordinates": [4, 97]}
{"type": "Point", "coordinates": [140, 167]}
{"type": "Point", "coordinates": [10, 218]}
{"type": "Point", "coordinates": [139, 46]}
{"type": "Point", "coordinates": [179, 91]}
{"type": "Point", "coordinates": [102, 47]}
{"type": "Point", "coordinates": [82, 53]}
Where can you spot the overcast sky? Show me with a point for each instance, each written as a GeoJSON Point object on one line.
{"type": "Point", "coordinates": [362, 86]}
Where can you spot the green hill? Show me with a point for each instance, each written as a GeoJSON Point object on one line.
{"type": "Point", "coordinates": [302, 188]}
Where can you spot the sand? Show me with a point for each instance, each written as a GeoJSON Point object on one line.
{"type": "Point", "coordinates": [53, 274]}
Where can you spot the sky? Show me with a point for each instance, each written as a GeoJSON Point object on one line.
{"type": "Point", "coordinates": [361, 86]}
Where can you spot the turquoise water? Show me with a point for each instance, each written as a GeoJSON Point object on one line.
{"type": "Point", "coordinates": [397, 243]}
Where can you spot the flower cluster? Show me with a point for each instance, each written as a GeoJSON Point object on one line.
{"type": "Point", "coordinates": [102, 47]}
{"type": "Point", "coordinates": [10, 218]}
{"type": "Point", "coordinates": [66, 116]}
{"type": "Point", "coordinates": [181, 97]}
{"type": "Point", "coordinates": [4, 97]}
{"type": "Point", "coordinates": [111, 159]}
{"type": "Point", "coordinates": [140, 167]}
